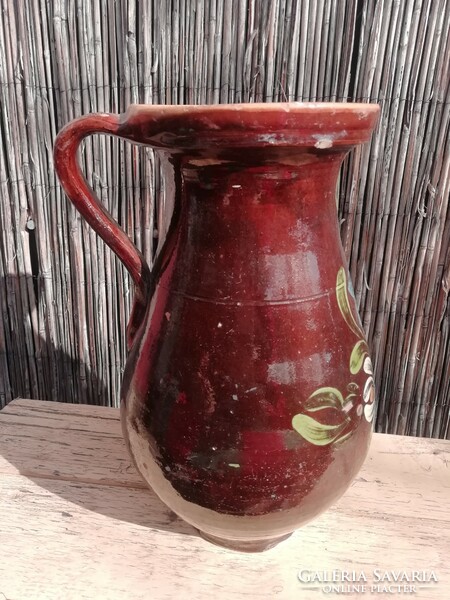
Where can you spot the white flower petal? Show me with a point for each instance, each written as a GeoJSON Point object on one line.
{"type": "Point", "coordinates": [359, 410]}
{"type": "Point", "coordinates": [368, 411]}
{"type": "Point", "coordinates": [368, 387]}
{"type": "Point", "coordinates": [368, 366]}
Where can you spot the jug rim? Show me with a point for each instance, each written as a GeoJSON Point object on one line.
{"type": "Point", "coordinates": [291, 106]}
{"type": "Point", "coordinates": [321, 125]}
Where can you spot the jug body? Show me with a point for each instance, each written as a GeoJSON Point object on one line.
{"type": "Point", "coordinates": [248, 392]}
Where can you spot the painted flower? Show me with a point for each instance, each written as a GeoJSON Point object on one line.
{"type": "Point", "coordinates": [328, 420]}
{"type": "Point", "coordinates": [369, 391]}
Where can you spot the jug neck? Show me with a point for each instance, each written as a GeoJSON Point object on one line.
{"type": "Point", "coordinates": [258, 176]}
{"type": "Point", "coordinates": [259, 228]}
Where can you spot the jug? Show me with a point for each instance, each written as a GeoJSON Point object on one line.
{"type": "Point", "coordinates": [248, 394]}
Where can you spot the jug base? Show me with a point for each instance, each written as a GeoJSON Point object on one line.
{"type": "Point", "coordinates": [243, 545]}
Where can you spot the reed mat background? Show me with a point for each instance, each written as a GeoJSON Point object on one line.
{"type": "Point", "coordinates": [65, 299]}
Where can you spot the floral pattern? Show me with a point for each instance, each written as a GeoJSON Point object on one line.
{"type": "Point", "coordinates": [369, 391]}
{"type": "Point", "coordinates": [329, 402]}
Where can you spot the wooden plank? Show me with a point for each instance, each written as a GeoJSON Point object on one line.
{"type": "Point", "coordinates": [65, 441]}
{"type": "Point", "coordinates": [77, 522]}
{"type": "Point", "coordinates": [61, 415]}
{"type": "Point", "coordinates": [92, 542]}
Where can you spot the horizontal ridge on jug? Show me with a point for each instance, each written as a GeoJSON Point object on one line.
{"type": "Point", "coordinates": [248, 394]}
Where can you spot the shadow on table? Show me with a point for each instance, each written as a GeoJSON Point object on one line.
{"type": "Point", "coordinates": [63, 460]}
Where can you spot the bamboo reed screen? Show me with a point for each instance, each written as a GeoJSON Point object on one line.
{"type": "Point", "coordinates": [64, 298]}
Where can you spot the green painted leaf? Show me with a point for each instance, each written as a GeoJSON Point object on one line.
{"type": "Point", "coordinates": [344, 305]}
{"type": "Point", "coordinates": [322, 407]}
{"type": "Point", "coordinates": [359, 352]}
{"type": "Point", "coordinates": [316, 433]}
{"type": "Point", "coordinates": [326, 396]}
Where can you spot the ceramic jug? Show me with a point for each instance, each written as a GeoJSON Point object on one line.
{"type": "Point", "coordinates": [248, 393]}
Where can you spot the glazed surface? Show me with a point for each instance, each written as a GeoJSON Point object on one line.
{"type": "Point", "coordinates": [248, 393]}
{"type": "Point", "coordinates": [238, 395]}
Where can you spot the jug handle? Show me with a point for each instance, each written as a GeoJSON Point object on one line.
{"type": "Point", "coordinates": [86, 202]}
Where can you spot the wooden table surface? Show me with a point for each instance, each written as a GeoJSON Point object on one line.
{"type": "Point", "coordinates": [76, 522]}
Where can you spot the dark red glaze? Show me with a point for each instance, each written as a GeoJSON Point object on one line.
{"type": "Point", "coordinates": [248, 394]}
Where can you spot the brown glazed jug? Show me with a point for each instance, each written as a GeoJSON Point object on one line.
{"type": "Point", "coordinates": [248, 393]}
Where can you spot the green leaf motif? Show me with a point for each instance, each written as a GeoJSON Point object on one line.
{"type": "Point", "coordinates": [323, 397]}
{"type": "Point", "coordinates": [359, 352]}
{"type": "Point", "coordinates": [344, 304]}
{"type": "Point", "coordinates": [316, 433]}
{"type": "Point", "coordinates": [318, 408]}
